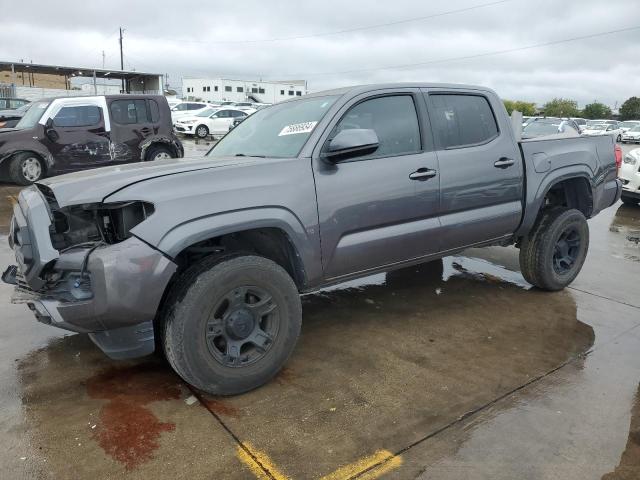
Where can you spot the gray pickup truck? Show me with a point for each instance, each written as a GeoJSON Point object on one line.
{"type": "Point", "coordinates": [207, 257]}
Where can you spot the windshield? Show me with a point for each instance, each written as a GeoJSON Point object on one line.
{"type": "Point", "coordinates": [278, 131]}
{"type": "Point", "coordinates": [629, 124]}
{"type": "Point", "coordinates": [635, 129]}
{"type": "Point", "coordinates": [206, 112]}
{"type": "Point", "coordinates": [600, 126]}
{"type": "Point", "coordinates": [32, 115]}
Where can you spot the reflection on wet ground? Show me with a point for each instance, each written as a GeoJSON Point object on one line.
{"type": "Point", "coordinates": [457, 366]}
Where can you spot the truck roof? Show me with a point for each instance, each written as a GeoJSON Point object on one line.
{"type": "Point", "coordinates": [383, 86]}
{"type": "Point", "coordinates": [108, 97]}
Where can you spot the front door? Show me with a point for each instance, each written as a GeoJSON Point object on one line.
{"type": "Point", "coordinates": [481, 172]}
{"type": "Point", "coordinates": [382, 208]}
{"type": "Point", "coordinates": [78, 138]}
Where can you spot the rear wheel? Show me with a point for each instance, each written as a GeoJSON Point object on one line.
{"type": "Point", "coordinates": [158, 152]}
{"type": "Point", "coordinates": [231, 323]}
{"type": "Point", "coordinates": [555, 250]}
{"type": "Point", "coordinates": [26, 168]}
{"type": "Point", "coordinates": [619, 139]}
{"type": "Point", "coordinates": [202, 131]}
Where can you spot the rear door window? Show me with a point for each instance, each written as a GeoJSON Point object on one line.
{"type": "Point", "coordinates": [462, 120]}
{"type": "Point", "coordinates": [154, 111]}
{"type": "Point", "coordinates": [127, 112]}
{"type": "Point", "coordinates": [78, 116]}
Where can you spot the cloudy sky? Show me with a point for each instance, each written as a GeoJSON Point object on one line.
{"type": "Point", "coordinates": [336, 42]}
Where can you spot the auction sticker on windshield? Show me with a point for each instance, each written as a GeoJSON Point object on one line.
{"type": "Point", "coordinates": [305, 127]}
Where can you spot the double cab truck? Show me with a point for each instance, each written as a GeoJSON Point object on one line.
{"type": "Point", "coordinates": [68, 134]}
{"type": "Point", "coordinates": [207, 257]}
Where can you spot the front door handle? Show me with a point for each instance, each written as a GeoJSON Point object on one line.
{"type": "Point", "coordinates": [423, 174]}
{"type": "Point", "coordinates": [504, 162]}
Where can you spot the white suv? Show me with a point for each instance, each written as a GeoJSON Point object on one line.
{"type": "Point", "coordinates": [630, 176]}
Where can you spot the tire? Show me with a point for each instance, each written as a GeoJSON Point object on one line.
{"type": "Point", "coordinates": [202, 131]}
{"type": "Point", "coordinates": [158, 152]}
{"type": "Point", "coordinates": [619, 138]}
{"type": "Point", "coordinates": [201, 325]}
{"type": "Point", "coordinates": [26, 168]}
{"type": "Point", "coordinates": [629, 201]}
{"type": "Point", "coordinates": [550, 268]}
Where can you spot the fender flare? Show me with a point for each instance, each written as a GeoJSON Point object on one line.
{"type": "Point", "coordinates": [10, 150]}
{"type": "Point", "coordinates": [161, 139]}
{"type": "Point", "coordinates": [534, 202]}
{"type": "Point", "coordinates": [188, 233]}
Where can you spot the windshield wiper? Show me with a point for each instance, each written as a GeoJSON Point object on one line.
{"type": "Point", "coordinates": [245, 155]}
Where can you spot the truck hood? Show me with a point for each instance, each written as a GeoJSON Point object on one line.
{"type": "Point", "coordinates": [92, 186]}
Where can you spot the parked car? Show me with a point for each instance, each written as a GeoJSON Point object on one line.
{"type": "Point", "coordinates": [580, 122]}
{"type": "Point", "coordinates": [609, 129]}
{"type": "Point", "coordinates": [211, 121]}
{"type": "Point", "coordinates": [632, 135]}
{"type": "Point", "coordinates": [187, 109]}
{"type": "Point", "coordinates": [12, 103]}
{"type": "Point", "coordinates": [629, 124]}
{"type": "Point", "coordinates": [209, 256]}
{"type": "Point", "coordinates": [67, 134]}
{"type": "Point", "coordinates": [10, 118]}
{"type": "Point", "coordinates": [630, 177]}
{"type": "Point", "coordinates": [550, 126]}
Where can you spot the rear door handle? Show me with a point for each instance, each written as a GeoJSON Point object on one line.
{"type": "Point", "coordinates": [423, 174]}
{"type": "Point", "coordinates": [504, 162]}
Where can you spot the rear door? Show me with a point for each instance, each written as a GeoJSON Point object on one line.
{"type": "Point", "coordinates": [220, 121]}
{"type": "Point", "coordinates": [379, 209]}
{"type": "Point", "coordinates": [481, 172]}
{"type": "Point", "coordinates": [79, 135]}
{"type": "Point", "coordinates": [131, 124]}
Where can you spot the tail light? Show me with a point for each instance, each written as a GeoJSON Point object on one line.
{"type": "Point", "coordinates": [618, 151]}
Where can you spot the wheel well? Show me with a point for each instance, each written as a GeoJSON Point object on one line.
{"type": "Point", "coordinates": [271, 243]}
{"type": "Point", "coordinates": [4, 167]}
{"type": "Point", "coordinates": [571, 193]}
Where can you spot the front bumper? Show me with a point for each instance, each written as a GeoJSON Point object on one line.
{"type": "Point", "coordinates": [182, 128]}
{"type": "Point", "coordinates": [114, 296]}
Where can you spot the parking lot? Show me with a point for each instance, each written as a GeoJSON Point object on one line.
{"type": "Point", "coordinates": [456, 369]}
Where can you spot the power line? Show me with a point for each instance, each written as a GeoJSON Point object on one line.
{"type": "Point", "coordinates": [337, 32]}
{"type": "Point", "coordinates": [465, 57]}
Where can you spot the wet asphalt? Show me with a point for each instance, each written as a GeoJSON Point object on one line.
{"type": "Point", "coordinates": [452, 370]}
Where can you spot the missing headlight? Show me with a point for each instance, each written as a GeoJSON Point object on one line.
{"type": "Point", "coordinates": [115, 220]}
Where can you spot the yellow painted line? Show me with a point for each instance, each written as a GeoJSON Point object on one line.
{"type": "Point", "coordinates": [387, 461]}
{"type": "Point", "coordinates": [258, 467]}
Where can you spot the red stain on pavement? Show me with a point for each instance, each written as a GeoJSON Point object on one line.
{"type": "Point", "coordinates": [128, 431]}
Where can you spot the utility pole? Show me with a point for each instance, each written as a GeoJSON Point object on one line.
{"type": "Point", "coordinates": [103, 59]}
{"type": "Point", "coordinates": [121, 59]}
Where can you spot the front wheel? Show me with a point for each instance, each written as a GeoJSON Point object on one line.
{"type": "Point", "coordinates": [553, 253]}
{"type": "Point", "coordinates": [231, 324]}
{"type": "Point", "coordinates": [619, 138]}
{"type": "Point", "coordinates": [26, 168]}
{"type": "Point", "coordinates": [202, 131]}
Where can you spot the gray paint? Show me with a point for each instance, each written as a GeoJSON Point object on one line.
{"type": "Point", "coordinates": [345, 220]}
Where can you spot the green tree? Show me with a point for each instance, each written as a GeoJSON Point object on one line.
{"type": "Point", "coordinates": [630, 109]}
{"type": "Point", "coordinates": [596, 110]}
{"type": "Point", "coordinates": [561, 107]}
{"type": "Point", "coordinates": [527, 109]}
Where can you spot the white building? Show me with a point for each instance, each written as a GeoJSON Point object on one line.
{"type": "Point", "coordinates": [224, 89]}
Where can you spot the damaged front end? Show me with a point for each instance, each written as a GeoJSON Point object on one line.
{"type": "Point", "coordinates": [80, 268]}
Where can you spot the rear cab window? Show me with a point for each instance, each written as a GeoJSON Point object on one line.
{"type": "Point", "coordinates": [462, 120]}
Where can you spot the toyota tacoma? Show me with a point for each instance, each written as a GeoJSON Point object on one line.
{"type": "Point", "coordinates": [206, 258]}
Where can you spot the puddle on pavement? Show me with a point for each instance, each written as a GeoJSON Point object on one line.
{"type": "Point", "coordinates": [626, 223]}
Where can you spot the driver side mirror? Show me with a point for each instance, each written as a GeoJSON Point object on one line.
{"type": "Point", "coordinates": [351, 143]}
{"type": "Point", "coordinates": [49, 131]}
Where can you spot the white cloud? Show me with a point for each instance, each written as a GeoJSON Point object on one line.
{"type": "Point", "coordinates": [180, 39]}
